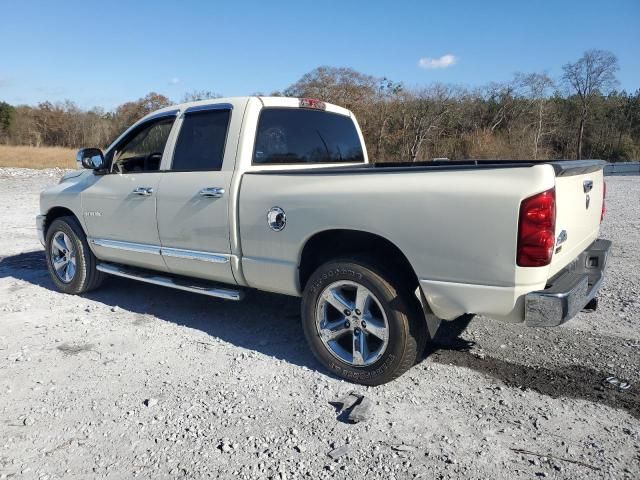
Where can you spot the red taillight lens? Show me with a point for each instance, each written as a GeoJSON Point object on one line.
{"type": "Point", "coordinates": [536, 230]}
{"type": "Point", "coordinates": [312, 103]}
{"type": "Point", "coordinates": [604, 196]}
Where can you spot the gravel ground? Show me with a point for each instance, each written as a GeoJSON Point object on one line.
{"type": "Point", "coordinates": [135, 380]}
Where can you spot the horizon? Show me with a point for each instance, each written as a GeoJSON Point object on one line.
{"type": "Point", "coordinates": [416, 45]}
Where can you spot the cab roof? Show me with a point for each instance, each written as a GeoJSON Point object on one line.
{"type": "Point", "coordinates": [286, 102]}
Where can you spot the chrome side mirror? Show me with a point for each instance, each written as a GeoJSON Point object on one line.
{"type": "Point", "coordinates": [92, 158]}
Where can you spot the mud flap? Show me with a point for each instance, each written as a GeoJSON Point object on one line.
{"type": "Point", "coordinates": [433, 322]}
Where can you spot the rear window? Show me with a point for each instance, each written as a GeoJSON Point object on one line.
{"type": "Point", "coordinates": [291, 135]}
{"type": "Point", "coordinates": [200, 145]}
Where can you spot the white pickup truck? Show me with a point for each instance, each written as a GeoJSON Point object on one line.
{"type": "Point", "coordinates": [277, 194]}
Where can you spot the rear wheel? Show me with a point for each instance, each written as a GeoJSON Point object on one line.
{"type": "Point", "coordinates": [361, 323]}
{"type": "Point", "coordinates": [71, 264]}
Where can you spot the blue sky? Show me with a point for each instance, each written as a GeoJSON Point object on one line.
{"type": "Point", "coordinates": [104, 53]}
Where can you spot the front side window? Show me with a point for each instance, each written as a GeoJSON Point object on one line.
{"type": "Point", "coordinates": [142, 150]}
{"type": "Point", "coordinates": [200, 145]}
{"type": "Point", "coordinates": [291, 135]}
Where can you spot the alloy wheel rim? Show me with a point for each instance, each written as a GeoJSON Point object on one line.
{"type": "Point", "coordinates": [63, 257]}
{"type": "Point", "coordinates": [351, 323]}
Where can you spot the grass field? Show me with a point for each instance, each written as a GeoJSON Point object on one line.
{"type": "Point", "coordinates": [37, 157]}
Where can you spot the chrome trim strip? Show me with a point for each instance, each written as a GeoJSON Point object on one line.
{"type": "Point", "coordinates": [154, 279]}
{"type": "Point", "coordinates": [211, 106]}
{"type": "Point", "coordinates": [165, 251]}
{"type": "Point", "coordinates": [129, 246]}
{"type": "Point", "coordinates": [194, 255]}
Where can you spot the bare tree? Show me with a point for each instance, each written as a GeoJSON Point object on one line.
{"type": "Point", "coordinates": [593, 74]}
{"type": "Point", "coordinates": [343, 86]}
{"type": "Point", "coordinates": [523, 118]}
{"type": "Point", "coordinates": [423, 113]}
{"type": "Point", "coordinates": [536, 88]}
{"type": "Point", "coordinates": [197, 95]}
{"type": "Point", "coordinates": [380, 112]}
{"type": "Point", "coordinates": [129, 112]}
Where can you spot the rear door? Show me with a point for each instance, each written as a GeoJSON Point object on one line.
{"type": "Point", "coordinates": [193, 200]}
{"type": "Point", "coordinates": [579, 200]}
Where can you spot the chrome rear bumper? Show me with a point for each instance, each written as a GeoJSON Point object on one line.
{"type": "Point", "coordinates": [570, 290]}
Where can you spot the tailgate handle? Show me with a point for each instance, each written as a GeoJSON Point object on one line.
{"type": "Point", "coordinates": [587, 185]}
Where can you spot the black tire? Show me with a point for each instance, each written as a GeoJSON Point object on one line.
{"type": "Point", "coordinates": [86, 276]}
{"type": "Point", "coordinates": [406, 324]}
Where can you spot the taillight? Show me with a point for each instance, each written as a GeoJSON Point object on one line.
{"type": "Point", "coordinates": [604, 196]}
{"type": "Point", "coordinates": [536, 230]}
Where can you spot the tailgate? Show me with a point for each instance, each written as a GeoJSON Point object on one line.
{"type": "Point", "coordinates": [579, 198]}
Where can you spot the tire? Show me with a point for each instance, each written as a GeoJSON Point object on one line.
{"type": "Point", "coordinates": [392, 305]}
{"type": "Point", "coordinates": [83, 277]}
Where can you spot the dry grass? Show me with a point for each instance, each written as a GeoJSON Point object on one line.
{"type": "Point", "coordinates": [37, 157]}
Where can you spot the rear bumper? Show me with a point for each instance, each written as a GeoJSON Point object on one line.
{"type": "Point", "coordinates": [569, 290]}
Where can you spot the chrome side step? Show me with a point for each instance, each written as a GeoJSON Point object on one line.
{"type": "Point", "coordinates": [181, 283]}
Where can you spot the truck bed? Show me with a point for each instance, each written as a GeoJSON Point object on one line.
{"type": "Point", "coordinates": [456, 223]}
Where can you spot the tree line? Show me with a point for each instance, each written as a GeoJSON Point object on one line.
{"type": "Point", "coordinates": [532, 116]}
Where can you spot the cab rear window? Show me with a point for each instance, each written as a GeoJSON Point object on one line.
{"type": "Point", "coordinates": [296, 135]}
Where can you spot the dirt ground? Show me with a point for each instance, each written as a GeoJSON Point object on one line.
{"type": "Point", "coordinates": [141, 381]}
{"type": "Point", "coordinates": [37, 157]}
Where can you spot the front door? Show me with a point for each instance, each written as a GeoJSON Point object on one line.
{"type": "Point", "coordinates": [119, 208]}
{"type": "Point", "coordinates": [193, 197]}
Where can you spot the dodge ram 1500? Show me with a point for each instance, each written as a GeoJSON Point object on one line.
{"type": "Point", "coordinates": [277, 194]}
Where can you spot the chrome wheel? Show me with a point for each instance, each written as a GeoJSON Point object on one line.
{"type": "Point", "coordinates": [351, 323]}
{"type": "Point", "coordinates": [63, 257]}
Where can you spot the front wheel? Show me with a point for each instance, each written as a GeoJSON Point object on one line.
{"type": "Point", "coordinates": [360, 323]}
{"type": "Point", "coordinates": [72, 265]}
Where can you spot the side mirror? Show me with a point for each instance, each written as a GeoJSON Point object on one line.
{"type": "Point", "coordinates": [90, 158]}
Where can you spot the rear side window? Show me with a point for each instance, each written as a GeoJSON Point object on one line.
{"type": "Point", "coordinates": [200, 145]}
{"type": "Point", "coordinates": [292, 135]}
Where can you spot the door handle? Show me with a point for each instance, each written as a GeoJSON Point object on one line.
{"type": "Point", "coordinates": [211, 192]}
{"type": "Point", "coordinates": [144, 191]}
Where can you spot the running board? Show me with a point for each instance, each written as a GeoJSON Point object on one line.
{"type": "Point", "coordinates": [181, 283]}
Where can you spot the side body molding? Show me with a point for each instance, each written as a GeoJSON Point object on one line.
{"type": "Point", "coordinates": [164, 251]}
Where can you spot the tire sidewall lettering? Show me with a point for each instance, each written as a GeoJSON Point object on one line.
{"type": "Point", "coordinates": [330, 275]}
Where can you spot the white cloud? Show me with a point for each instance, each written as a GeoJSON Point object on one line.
{"type": "Point", "coordinates": [444, 61]}
{"type": "Point", "coordinates": [174, 81]}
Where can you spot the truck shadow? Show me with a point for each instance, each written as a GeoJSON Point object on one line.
{"type": "Point", "coordinates": [267, 323]}
{"type": "Point", "coordinates": [270, 324]}
{"type": "Point", "coordinates": [569, 381]}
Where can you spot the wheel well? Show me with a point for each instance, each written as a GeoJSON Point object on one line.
{"type": "Point", "coordinates": [57, 212]}
{"type": "Point", "coordinates": [330, 244]}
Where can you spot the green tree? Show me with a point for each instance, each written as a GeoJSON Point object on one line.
{"type": "Point", "coordinates": [7, 113]}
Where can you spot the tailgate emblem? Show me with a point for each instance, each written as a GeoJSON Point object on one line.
{"type": "Point", "coordinates": [587, 185]}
